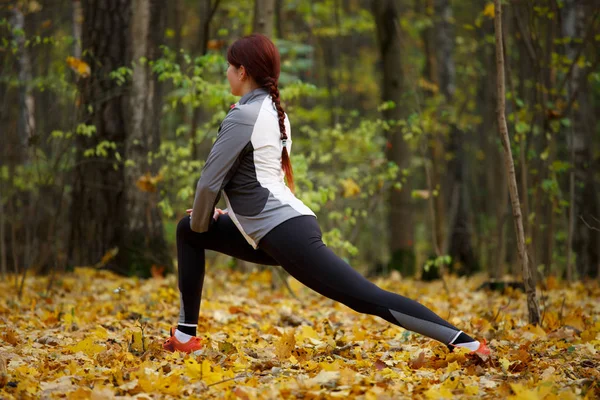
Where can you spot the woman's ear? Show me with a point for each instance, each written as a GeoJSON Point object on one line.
{"type": "Point", "coordinates": [242, 73]}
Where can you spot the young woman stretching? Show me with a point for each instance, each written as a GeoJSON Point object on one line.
{"type": "Point", "coordinates": [265, 223]}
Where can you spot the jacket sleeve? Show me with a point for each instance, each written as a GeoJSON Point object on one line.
{"type": "Point", "coordinates": [232, 139]}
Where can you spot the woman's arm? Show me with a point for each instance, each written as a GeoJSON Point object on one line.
{"type": "Point", "coordinates": [232, 139]}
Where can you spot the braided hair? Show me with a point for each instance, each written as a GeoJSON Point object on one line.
{"type": "Point", "coordinates": [260, 57]}
{"type": "Point", "coordinates": [271, 86]}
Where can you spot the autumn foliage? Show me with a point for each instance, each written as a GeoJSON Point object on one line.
{"type": "Point", "coordinates": [97, 335]}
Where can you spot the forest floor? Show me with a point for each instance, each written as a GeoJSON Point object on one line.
{"type": "Point", "coordinates": [97, 335]}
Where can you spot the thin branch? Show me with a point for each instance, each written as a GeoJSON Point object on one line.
{"type": "Point", "coordinates": [588, 225]}
{"type": "Point", "coordinates": [285, 282]}
{"type": "Point", "coordinates": [526, 38]}
{"type": "Point", "coordinates": [560, 314]}
{"type": "Point", "coordinates": [500, 309]}
{"type": "Point", "coordinates": [213, 10]}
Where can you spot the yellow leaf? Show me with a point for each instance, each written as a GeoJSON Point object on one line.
{"type": "Point", "coordinates": [450, 383]}
{"type": "Point", "coordinates": [109, 255]}
{"type": "Point", "coordinates": [504, 363]}
{"type": "Point", "coordinates": [535, 331]}
{"type": "Point", "coordinates": [439, 393]}
{"type": "Point", "coordinates": [489, 10]}
{"type": "Point", "coordinates": [148, 183]}
{"type": "Point", "coordinates": [523, 393]}
{"type": "Point", "coordinates": [421, 194]}
{"type": "Point", "coordinates": [323, 378]}
{"type": "Point", "coordinates": [307, 332]}
{"type": "Point", "coordinates": [283, 348]}
{"type": "Point", "coordinates": [351, 188]}
{"type": "Point", "coordinates": [80, 393]}
{"type": "Point", "coordinates": [87, 346]}
{"type": "Point", "coordinates": [575, 321]}
{"type": "Point", "coordinates": [192, 368]}
{"type": "Point", "coordinates": [137, 344]}
{"type": "Point", "coordinates": [453, 366]}
{"type": "Point", "coordinates": [472, 390]}
{"type": "Point", "coordinates": [428, 85]}
{"type": "Point", "coordinates": [101, 333]}
{"type": "Point", "coordinates": [79, 66]}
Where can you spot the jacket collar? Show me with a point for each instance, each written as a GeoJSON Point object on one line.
{"type": "Point", "coordinates": [258, 93]}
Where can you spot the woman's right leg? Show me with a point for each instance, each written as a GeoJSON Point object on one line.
{"type": "Point", "coordinates": [297, 245]}
{"type": "Point", "coordinates": [223, 237]}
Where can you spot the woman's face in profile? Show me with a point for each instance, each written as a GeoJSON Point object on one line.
{"type": "Point", "coordinates": [234, 76]}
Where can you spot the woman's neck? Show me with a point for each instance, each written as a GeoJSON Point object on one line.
{"type": "Point", "coordinates": [250, 86]}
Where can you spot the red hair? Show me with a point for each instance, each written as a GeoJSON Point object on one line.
{"type": "Point", "coordinates": [260, 57]}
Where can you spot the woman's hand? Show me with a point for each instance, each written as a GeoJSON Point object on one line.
{"type": "Point", "coordinates": [218, 212]}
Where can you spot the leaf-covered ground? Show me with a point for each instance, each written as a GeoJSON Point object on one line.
{"type": "Point", "coordinates": [99, 336]}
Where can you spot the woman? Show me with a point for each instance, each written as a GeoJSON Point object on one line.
{"type": "Point", "coordinates": [265, 223]}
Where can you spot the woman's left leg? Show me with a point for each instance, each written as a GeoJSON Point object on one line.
{"type": "Point", "coordinates": [296, 244]}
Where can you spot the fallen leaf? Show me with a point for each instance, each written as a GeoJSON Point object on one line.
{"type": "Point", "coordinates": [285, 345]}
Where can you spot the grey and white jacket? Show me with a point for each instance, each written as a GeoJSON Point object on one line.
{"type": "Point", "coordinates": [245, 165]}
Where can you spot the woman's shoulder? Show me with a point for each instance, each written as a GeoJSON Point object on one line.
{"type": "Point", "coordinates": [243, 113]}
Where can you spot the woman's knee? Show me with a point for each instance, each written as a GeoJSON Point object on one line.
{"type": "Point", "coordinates": [183, 228]}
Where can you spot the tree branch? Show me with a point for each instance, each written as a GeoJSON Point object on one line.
{"type": "Point", "coordinates": [526, 38]}
{"type": "Point", "coordinates": [588, 225]}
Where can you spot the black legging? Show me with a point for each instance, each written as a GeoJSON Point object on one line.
{"type": "Point", "coordinates": [296, 245]}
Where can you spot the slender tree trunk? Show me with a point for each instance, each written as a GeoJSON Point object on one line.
{"type": "Point", "coordinates": [3, 267]}
{"type": "Point", "coordinates": [435, 147]}
{"type": "Point", "coordinates": [584, 198]}
{"type": "Point", "coordinates": [459, 243]}
{"type": "Point", "coordinates": [142, 244]}
{"type": "Point", "coordinates": [387, 21]}
{"type": "Point", "coordinates": [279, 17]}
{"type": "Point", "coordinates": [98, 208]}
{"type": "Point", "coordinates": [264, 13]}
{"type": "Point", "coordinates": [532, 305]}
{"type": "Point", "coordinates": [26, 122]}
{"type": "Point", "coordinates": [208, 9]}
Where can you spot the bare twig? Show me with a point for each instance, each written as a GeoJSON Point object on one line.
{"type": "Point", "coordinates": [560, 314]}
{"type": "Point", "coordinates": [588, 225]}
{"type": "Point", "coordinates": [500, 309]}
{"type": "Point", "coordinates": [281, 275]}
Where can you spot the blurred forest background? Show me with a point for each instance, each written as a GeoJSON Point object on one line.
{"type": "Point", "coordinates": [109, 109]}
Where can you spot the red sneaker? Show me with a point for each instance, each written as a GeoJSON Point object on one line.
{"type": "Point", "coordinates": [172, 344]}
{"type": "Point", "coordinates": [483, 349]}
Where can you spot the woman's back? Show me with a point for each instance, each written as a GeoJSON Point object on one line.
{"type": "Point", "coordinates": [255, 191]}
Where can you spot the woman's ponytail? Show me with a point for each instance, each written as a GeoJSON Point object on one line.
{"type": "Point", "coordinates": [286, 164]}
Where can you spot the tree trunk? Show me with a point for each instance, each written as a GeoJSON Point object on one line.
{"type": "Point", "coordinates": [264, 12]}
{"type": "Point", "coordinates": [3, 267]}
{"type": "Point", "coordinates": [584, 200]}
{"type": "Point", "coordinates": [77, 21]}
{"type": "Point", "coordinates": [98, 209]}
{"type": "Point", "coordinates": [26, 122]}
{"type": "Point", "coordinates": [459, 243]}
{"type": "Point", "coordinates": [532, 305]}
{"type": "Point", "coordinates": [143, 243]}
{"type": "Point", "coordinates": [279, 19]}
{"type": "Point", "coordinates": [387, 21]}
